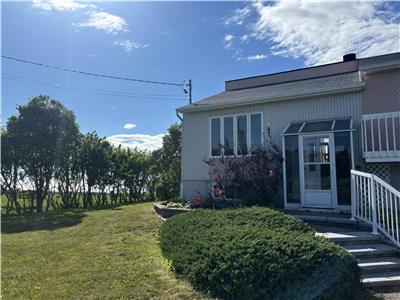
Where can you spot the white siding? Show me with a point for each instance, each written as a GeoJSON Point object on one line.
{"type": "Point", "coordinates": [277, 115]}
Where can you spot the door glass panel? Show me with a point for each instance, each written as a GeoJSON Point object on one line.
{"type": "Point", "coordinates": [317, 177]}
{"type": "Point", "coordinates": [316, 149]}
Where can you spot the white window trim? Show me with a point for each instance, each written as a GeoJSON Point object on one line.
{"type": "Point", "coordinates": [248, 120]}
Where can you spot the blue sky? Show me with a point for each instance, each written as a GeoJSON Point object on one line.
{"type": "Point", "coordinates": [208, 42]}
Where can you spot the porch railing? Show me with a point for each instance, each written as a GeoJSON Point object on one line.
{"type": "Point", "coordinates": [381, 137]}
{"type": "Point", "coordinates": [377, 203]}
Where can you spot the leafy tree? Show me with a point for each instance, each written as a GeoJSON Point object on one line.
{"type": "Point", "coordinates": [168, 186]}
{"type": "Point", "coordinates": [68, 175]}
{"type": "Point", "coordinates": [41, 132]}
{"type": "Point", "coordinates": [10, 171]}
{"type": "Point", "coordinates": [118, 166]}
{"type": "Point", "coordinates": [95, 164]}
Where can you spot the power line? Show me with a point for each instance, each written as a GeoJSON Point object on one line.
{"type": "Point", "coordinates": [46, 83]}
{"type": "Point", "coordinates": [80, 90]}
{"type": "Point", "coordinates": [91, 74]}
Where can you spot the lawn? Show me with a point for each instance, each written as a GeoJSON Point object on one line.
{"type": "Point", "coordinates": [92, 254]}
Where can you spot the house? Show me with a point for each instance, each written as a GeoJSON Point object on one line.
{"type": "Point", "coordinates": [326, 119]}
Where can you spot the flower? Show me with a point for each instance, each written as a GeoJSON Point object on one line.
{"type": "Point", "coordinates": [198, 200]}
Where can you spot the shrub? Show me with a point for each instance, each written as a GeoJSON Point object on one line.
{"type": "Point", "coordinates": [257, 253]}
{"type": "Point", "coordinates": [256, 179]}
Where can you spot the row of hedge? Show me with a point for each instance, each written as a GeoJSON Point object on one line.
{"type": "Point", "coordinates": [257, 253]}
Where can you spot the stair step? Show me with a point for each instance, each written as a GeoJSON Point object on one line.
{"type": "Point", "coordinates": [336, 220]}
{"type": "Point", "coordinates": [381, 279]}
{"type": "Point", "coordinates": [371, 250]}
{"type": "Point", "coordinates": [379, 264]}
{"type": "Point", "coordinates": [350, 236]}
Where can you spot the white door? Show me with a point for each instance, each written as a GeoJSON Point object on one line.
{"type": "Point", "coordinates": [317, 172]}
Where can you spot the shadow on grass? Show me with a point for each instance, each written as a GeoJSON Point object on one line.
{"type": "Point", "coordinates": [44, 221]}
{"type": "Point", "coordinates": [48, 221]}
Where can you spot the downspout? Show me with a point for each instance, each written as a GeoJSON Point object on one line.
{"type": "Point", "coordinates": [179, 117]}
{"type": "Point", "coordinates": [181, 183]}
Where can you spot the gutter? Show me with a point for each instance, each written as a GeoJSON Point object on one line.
{"type": "Point", "coordinates": [195, 108]}
{"type": "Point", "coordinates": [179, 117]}
{"type": "Point", "coordinates": [380, 66]}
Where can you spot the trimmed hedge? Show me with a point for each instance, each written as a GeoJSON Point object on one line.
{"type": "Point", "coordinates": [257, 253]}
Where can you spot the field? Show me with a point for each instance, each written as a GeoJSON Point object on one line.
{"type": "Point", "coordinates": [91, 254]}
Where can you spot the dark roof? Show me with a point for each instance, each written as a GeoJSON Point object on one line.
{"type": "Point", "coordinates": [276, 92]}
{"type": "Point", "coordinates": [296, 83]}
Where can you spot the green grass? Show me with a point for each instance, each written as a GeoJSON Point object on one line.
{"type": "Point", "coordinates": [91, 254]}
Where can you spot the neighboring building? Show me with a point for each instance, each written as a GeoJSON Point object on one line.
{"type": "Point", "coordinates": [327, 120]}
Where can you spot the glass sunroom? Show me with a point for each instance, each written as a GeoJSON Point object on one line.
{"type": "Point", "coordinates": [318, 157]}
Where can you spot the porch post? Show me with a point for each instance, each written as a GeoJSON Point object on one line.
{"type": "Point", "coordinates": [353, 197]}
{"type": "Point", "coordinates": [373, 204]}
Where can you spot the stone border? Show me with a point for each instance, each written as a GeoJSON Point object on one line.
{"type": "Point", "coordinates": [166, 212]}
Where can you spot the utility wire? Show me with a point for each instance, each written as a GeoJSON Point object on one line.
{"type": "Point", "coordinates": [91, 74]}
{"type": "Point", "coordinates": [105, 93]}
{"type": "Point", "coordinates": [46, 83]}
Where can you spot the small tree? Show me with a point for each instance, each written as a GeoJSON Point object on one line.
{"type": "Point", "coordinates": [169, 161]}
{"type": "Point", "coordinates": [255, 179]}
{"type": "Point", "coordinates": [41, 133]}
{"type": "Point", "coordinates": [95, 164]}
{"type": "Point", "coordinates": [11, 172]}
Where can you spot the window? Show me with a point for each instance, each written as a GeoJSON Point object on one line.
{"type": "Point", "coordinates": [242, 135]}
{"type": "Point", "coordinates": [228, 135]}
{"type": "Point", "coordinates": [294, 128]}
{"type": "Point", "coordinates": [292, 169]}
{"type": "Point", "coordinates": [317, 126]}
{"type": "Point", "coordinates": [343, 124]}
{"type": "Point", "coordinates": [343, 167]}
{"type": "Point", "coordinates": [215, 137]}
{"type": "Point", "coordinates": [255, 133]}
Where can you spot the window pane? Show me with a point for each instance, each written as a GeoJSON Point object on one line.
{"type": "Point", "coordinates": [317, 177]}
{"type": "Point", "coordinates": [255, 127]}
{"type": "Point", "coordinates": [228, 136]}
{"type": "Point", "coordinates": [343, 166]}
{"type": "Point", "coordinates": [292, 169]}
{"type": "Point", "coordinates": [242, 135]}
{"type": "Point", "coordinates": [317, 126]}
{"type": "Point", "coordinates": [316, 149]}
{"type": "Point", "coordinates": [342, 124]}
{"type": "Point", "coordinates": [294, 128]}
{"type": "Point", "coordinates": [215, 137]}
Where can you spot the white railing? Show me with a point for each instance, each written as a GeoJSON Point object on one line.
{"type": "Point", "coordinates": [377, 203]}
{"type": "Point", "coordinates": [381, 136]}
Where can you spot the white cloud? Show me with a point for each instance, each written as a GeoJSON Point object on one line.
{"type": "Point", "coordinates": [142, 142]}
{"type": "Point", "coordinates": [238, 17]}
{"type": "Point", "coordinates": [322, 32]}
{"type": "Point", "coordinates": [129, 45]}
{"type": "Point", "coordinates": [244, 39]}
{"type": "Point", "coordinates": [104, 21]}
{"type": "Point", "coordinates": [129, 126]}
{"type": "Point", "coordinates": [256, 57]}
{"type": "Point", "coordinates": [228, 41]}
{"type": "Point", "coordinates": [60, 5]}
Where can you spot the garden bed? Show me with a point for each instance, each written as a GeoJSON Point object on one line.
{"type": "Point", "coordinates": [166, 212]}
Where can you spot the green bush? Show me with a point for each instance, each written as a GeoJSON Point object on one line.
{"type": "Point", "coordinates": [257, 253]}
